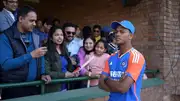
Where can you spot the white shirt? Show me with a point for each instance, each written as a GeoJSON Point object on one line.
{"type": "Point", "coordinates": [10, 13]}
{"type": "Point", "coordinates": [74, 46]}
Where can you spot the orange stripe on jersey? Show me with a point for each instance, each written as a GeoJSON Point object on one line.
{"type": "Point", "coordinates": [106, 68]}
{"type": "Point", "coordinates": [135, 64]}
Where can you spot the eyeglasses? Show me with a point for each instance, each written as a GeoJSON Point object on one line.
{"type": "Point", "coordinates": [96, 31]}
{"type": "Point", "coordinates": [68, 32]}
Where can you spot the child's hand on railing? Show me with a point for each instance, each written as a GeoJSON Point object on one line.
{"type": "Point", "coordinates": [88, 73]}
{"type": "Point", "coordinates": [94, 75]}
{"type": "Point", "coordinates": [97, 76]}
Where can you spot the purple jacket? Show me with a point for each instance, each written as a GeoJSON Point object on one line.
{"type": "Point", "coordinates": [81, 54]}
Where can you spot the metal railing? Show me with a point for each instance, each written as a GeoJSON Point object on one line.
{"type": "Point", "coordinates": [54, 81]}
{"type": "Point", "coordinates": [42, 83]}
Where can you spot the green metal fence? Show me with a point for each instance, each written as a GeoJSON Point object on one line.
{"type": "Point", "coordinates": [42, 83]}
{"type": "Point", "coordinates": [80, 94]}
{"type": "Point", "coordinates": [77, 94]}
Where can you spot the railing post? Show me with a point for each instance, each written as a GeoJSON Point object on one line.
{"type": "Point", "coordinates": [42, 88]}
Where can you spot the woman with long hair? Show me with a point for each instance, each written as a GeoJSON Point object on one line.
{"type": "Point", "coordinates": [57, 62]}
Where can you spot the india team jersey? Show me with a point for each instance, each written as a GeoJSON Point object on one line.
{"type": "Point", "coordinates": [131, 63]}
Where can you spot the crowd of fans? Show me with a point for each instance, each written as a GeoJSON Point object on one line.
{"type": "Point", "coordinates": [51, 52]}
{"type": "Point", "coordinates": [35, 49]}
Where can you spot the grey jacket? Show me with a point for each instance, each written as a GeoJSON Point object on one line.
{"type": "Point", "coordinates": [5, 20]}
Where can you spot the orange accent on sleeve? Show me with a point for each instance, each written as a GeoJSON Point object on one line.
{"type": "Point", "coordinates": [135, 65]}
{"type": "Point", "coordinates": [106, 68]}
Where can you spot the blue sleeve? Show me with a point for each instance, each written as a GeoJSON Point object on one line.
{"type": "Point", "coordinates": [42, 65]}
{"type": "Point", "coordinates": [7, 62]}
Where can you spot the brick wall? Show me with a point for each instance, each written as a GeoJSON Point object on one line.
{"type": "Point", "coordinates": [171, 39]}
{"type": "Point", "coordinates": [89, 12]}
{"type": "Point", "coordinates": [157, 32]}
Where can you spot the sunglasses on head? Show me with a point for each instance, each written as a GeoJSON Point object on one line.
{"type": "Point", "coordinates": [68, 32]}
{"type": "Point", "coordinates": [96, 31]}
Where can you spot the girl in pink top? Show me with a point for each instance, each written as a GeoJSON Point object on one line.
{"type": "Point", "coordinates": [97, 64]}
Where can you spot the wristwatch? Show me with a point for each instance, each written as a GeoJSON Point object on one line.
{"type": "Point", "coordinates": [105, 79]}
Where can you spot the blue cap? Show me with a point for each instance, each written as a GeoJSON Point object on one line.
{"type": "Point", "coordinates": [125, 23]}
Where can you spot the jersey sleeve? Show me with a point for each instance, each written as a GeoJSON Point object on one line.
{"type": "Point", "coordinates": [135, 65]}
{"type": "Point", "coordinates": [106, 70]}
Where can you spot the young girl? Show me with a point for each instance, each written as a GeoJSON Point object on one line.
{"type": "Point", "coordinates": [96, 65]}
{"type": "Point", "coordinates": [57, 62]}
